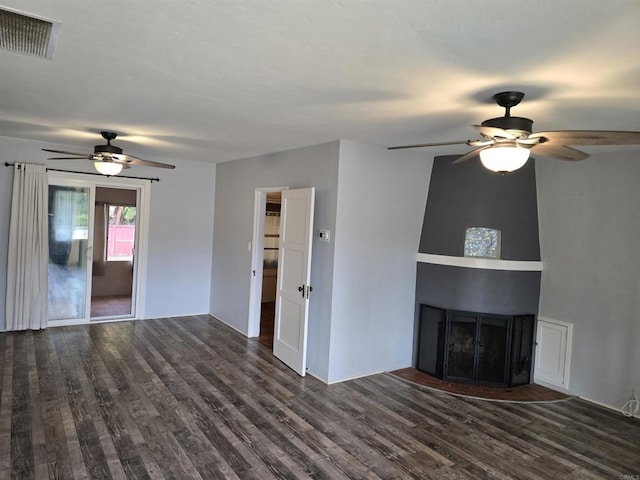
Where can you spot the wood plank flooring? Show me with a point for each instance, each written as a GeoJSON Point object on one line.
{"type": "Point", "coordinates": [190, 398]}
{"type": "Point", "coordinates": [267, 323]}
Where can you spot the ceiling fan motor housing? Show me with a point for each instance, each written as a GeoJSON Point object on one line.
{"type": "Point", "coordinates": [110, 149]}
{"type": "Point", "coordinates": [510, 123]}
{"type": "Point", "coordinates": [507, 100]}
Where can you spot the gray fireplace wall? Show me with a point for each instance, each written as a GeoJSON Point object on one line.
{"type": "Point", "coordinates": [467, 195]}
{"type": "Point", "coordinates": [477, 290]}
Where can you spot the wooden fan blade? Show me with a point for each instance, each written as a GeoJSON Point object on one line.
{"type": "Point", "coordinates": [64, 152]}
{"type": "Point", "coordinates": [481, 143]}
{"type": "Point", "coordinates": [528, 142]}
{"type": "Point", "coordinates": [588, 137]}
{"type": "Point", "coordinates": [471, 154]}
{"type": "Point", "coordinates": [130, 159]}
{"type": "Point", "coordinates": [493, 132]}
{"type": "Point", "coordinates": [558, 151]}
{"type": "Point", "coordinates": [420, 145]}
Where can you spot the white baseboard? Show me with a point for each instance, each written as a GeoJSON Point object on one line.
{"type": "Point", "coordinates": [244, 334]}
{"type": "Point", "coordinates": [346, 379]}
{"type": "Point", "coordinates": [610, 407]}
{"type": "Point", "coordinates": [323, 380]}
{"type": "Point", "coordinates": [181, 316]}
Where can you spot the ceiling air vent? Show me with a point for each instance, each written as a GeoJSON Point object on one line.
{"type": "Point", "coordinates": [26, 34]}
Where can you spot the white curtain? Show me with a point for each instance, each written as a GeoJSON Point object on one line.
{"type": "Point", "coordinates": [26, 306]}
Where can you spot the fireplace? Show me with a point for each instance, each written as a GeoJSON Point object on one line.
{"type": "Point", "coordinates": [474, 347]}
{"type": "Point", "coordinates": [478, 275]}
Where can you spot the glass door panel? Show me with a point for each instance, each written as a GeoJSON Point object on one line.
{"type": "Point", "coordinates": [433, 324]}
{"type": "Point", "coordinates": [492, 349]}
{"type": "Point", "coordinates": [69, 252]}
{"type": "Point", "coordinates": [114, 241]}
{"type": "Point", "coordinates": [462, 347]}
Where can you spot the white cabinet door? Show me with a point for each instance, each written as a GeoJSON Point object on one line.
{"type": "Point", "coordinates": [553, 355]}
{"type": "Point", "coordinates": [294, 270]}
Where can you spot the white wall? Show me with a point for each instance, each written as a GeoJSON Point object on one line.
{"type": "Point", "coordinates": [180, 233]}
{"type": "Point", "coordinates": [181, 227]}
{"type": "Point", "coordinates": [314, 166]}
{"type": "Point", "coordinates": [589, 236]}
{"type": "Point", "coordinates": [381, 201]}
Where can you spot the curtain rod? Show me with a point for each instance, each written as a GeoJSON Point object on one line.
{"type": "Point", "coordinates": [8, 164]}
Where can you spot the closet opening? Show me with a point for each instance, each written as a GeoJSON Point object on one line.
{"type": "Point", "coordinates": [271, 245]}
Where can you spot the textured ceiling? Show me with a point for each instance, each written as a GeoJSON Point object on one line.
{"type": "Point", "coordinates": [218, 80]}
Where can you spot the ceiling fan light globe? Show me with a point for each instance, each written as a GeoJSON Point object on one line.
{"type": "Point", "coordinates": [504, 158]}
{"type": "Point", "coordinates": [108, 168]}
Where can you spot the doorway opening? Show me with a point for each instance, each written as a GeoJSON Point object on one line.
{"type": "Point", "coordinates": [293, 274]}
{"type": "Point", "coordinates": [264, 263]}
{"type": "Point", "coordinates": [270, 249]}
{"type": "Point", "coordinates": [114, 236]}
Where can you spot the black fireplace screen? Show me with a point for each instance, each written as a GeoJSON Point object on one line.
{"type": "Point", "coordinates": [475, 347]}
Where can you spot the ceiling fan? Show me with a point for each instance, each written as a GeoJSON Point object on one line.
{"type": "Point", "coordinates": [506, 142]}
{"type": "Point", "coordinates": [108, 159]}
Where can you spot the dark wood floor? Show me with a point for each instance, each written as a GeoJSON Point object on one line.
{"type": "Point", "coordinates": [267, 321]}
{"type": "Point", "coordinates": [190, 398]}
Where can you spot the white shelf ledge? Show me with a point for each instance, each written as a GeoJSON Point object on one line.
{"type": "Point", "coordinates": [483, 263]}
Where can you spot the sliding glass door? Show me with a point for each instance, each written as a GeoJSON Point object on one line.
{"type": "Point", "coordinates": [70, 245]}
{"type": "Point", "coordinates": [98, 231]}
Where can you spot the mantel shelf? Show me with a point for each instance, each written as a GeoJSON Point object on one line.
{"type": "Point", "coordinates": [483, 263]}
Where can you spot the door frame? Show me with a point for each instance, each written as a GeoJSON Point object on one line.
{"type": "Point", "coordinates": [257, 257]}
{"type": "Point", "coordinates": [143, 203]}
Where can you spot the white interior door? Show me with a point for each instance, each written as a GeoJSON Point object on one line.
{"type": "Point", "coordinates": [294, 271]}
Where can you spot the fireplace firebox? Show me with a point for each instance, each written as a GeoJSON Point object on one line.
{"type": "Point", "coordinates": [475, 347]}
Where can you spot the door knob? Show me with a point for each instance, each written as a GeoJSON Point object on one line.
{"type": "Point", "coordinates": [301, 289]}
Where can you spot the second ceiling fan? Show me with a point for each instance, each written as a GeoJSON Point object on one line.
{"type": "Point", "coordinates": [508, 141]}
